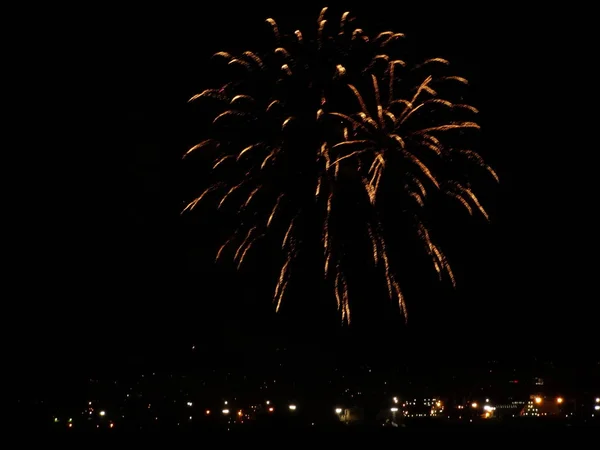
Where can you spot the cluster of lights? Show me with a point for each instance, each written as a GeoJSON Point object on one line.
{"type": "Point", "coordinates": [531, 408]}
{"type": "Point", "coordinates": [433, 407]}
{"type": "Point", "coordinates": [90, 410]}
{"type": "Point", "coordinates": [226, 411]}
{"type": "Point", "coordinates": [539, 400]}
{"type": "Point", "coordinates": [394, 409]}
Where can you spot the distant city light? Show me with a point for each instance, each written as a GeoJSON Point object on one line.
{"type": "Point", "coordinates": [130, 396]}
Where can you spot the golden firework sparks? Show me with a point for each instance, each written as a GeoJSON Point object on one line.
{"type": "Point", "coordinates": [284, 103]}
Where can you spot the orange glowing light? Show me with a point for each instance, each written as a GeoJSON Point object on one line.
{"type": "Point", "coordinates": [271, 409]}
{"type": "Point", "coordinates": [559, 400]}
{"type": "Point", "coordinates": [538, 400]}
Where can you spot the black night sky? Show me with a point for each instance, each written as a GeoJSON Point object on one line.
{"type": "Point", "coordinates": [111, 275]}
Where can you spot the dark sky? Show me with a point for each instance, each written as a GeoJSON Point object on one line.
{"type": "Point", "coordinates": [109, 271]}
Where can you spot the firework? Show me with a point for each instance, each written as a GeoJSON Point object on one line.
{"type": "Point", "coordinates": [316, 111]}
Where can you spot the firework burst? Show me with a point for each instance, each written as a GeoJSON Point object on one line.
{"type": "Point", "coordinates": [319, 112]}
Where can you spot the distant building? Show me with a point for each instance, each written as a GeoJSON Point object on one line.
{"type": "Point", "coordinates": [350, 415]}
{"type": "Point", "coordinates": [428, 407]}
{"type": "Point", "coordinates": [539, 406]}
